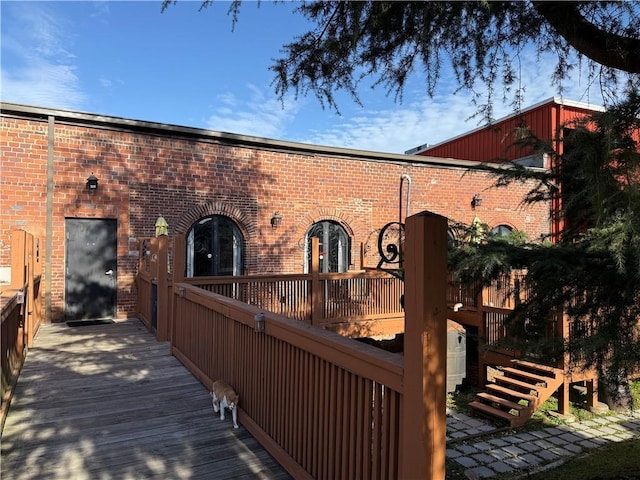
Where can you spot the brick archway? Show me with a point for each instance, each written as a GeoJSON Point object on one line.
{"type": "Point", "coordinates": [323, 214]}
{"type": "Point", "coordinates": [247, 226]}
{"type": "Point", "coordinates": [350, 224]}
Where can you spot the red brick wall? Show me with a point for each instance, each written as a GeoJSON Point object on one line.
{"type": "Point", "coordinates": [145, 175]}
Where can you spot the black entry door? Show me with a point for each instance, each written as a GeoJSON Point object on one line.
{"type": "Point", "coordinates": [90, 281]}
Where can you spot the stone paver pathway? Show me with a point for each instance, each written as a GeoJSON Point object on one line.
{"type": "Point", "coordinates": [499, 452]}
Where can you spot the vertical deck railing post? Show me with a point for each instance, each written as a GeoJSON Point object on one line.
{"type": "Point", "coordinates": [18, 242]}
{"type": "Point", "coordinates": [162, 332]}
{"type": "Point", "coordinates": [316, 286]}
{"type": "Point", "coordinates": [562, 324]}
{"type": "Point", "coordinates": [153, 285]}
{"type": "Point", "coordinates": [482, 300]}
{"type": "Point", "coordinates": [18, 275]}
{"type": "Point", "coordinates": [423, 443]}
{"type": "Point", "coordinates": [179, 270]}
{"type": "Point", "coordinates": [30, 293]}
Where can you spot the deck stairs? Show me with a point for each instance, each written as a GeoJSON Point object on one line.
{"type": "Point", "coordinates": [517, 392]}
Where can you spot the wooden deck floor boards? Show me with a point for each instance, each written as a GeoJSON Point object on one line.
{"type": "Point", "coordinates": [110, 402]}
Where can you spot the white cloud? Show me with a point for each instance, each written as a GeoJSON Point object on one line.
{"type": "Point", "coordinates": [101, 11]}
{"type": "Point", "coordinates": [260, 114]}
{"type": "Point", "coordinates": [43, 84]}
{"type": "Point", "coordinates": [109, 83]}
{"type": "Point", "coordinates": [426, 120]}
{"type": "Point", "coordinates": [399, 129]}
{"type": "Point", "coordinates": [38, 69]}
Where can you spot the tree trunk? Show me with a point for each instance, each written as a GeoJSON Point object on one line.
{"type": "Point", "coordinates": [617, 391]}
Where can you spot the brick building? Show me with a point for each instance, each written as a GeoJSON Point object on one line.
{"type": "Point", "coordinates": [246, 205]}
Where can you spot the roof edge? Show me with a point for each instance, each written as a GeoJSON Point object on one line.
{"type": "Point", "coordinates": [555, 100]}
{"type": "Point", "coordinates": [163, 129]}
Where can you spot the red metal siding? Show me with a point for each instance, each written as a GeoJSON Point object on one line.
{"type": "Point", "coordinates": [495, 143]}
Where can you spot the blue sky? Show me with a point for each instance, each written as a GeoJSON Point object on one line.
{"type": "Point", "coordinates": [187, 67]}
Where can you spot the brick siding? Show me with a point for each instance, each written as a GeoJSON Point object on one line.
{"type": "Point", "coordinates": [143, 175]}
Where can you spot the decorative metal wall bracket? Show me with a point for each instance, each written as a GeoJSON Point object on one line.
{"type": "Point", "coordinates": [390, 243]}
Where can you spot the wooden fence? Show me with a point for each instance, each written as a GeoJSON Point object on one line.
{"type": "Point", "coordinates": [325, 406]}
{"type": "Point", "coordinates": [21, 311]}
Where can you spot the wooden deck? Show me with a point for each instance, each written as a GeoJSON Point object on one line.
{"type": "Point", "coordinates": [110, 402]}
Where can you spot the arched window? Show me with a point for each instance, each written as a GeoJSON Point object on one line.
{"type": "Point", "coordinates": [501, 231]}
{"type": "Point", "coordinates": [215, 246]}
{"type": "Point", "coordinates": [334, 247]}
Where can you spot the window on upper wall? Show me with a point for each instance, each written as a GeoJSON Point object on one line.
{"type": "Point", "coordinates": [215, 246]}
{"type": "Point", "coordinates": [335, 247]}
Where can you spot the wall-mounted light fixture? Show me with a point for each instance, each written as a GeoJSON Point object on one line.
{"type": "Point", "coordinates": [92, 182]}
{"type": "Point", "coordinates": [259, 318]}
{"type": "Point", "coordinates": [476, 201]}
{"type": "Point", "coordinates": [276, 220]}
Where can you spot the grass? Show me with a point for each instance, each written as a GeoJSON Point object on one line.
{"type": "Point", "coordinates": [616, 461]}
{"type": "Point", "coordinates": [635, 393]}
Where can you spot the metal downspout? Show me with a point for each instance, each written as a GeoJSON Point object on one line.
{"type": "Point", "coordinates": [404, 177]}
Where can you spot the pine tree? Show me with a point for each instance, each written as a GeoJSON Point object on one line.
{"type": "Point", "coordinates": [483, 42]}
{"type": "Point", "coordinates": [593, 272]}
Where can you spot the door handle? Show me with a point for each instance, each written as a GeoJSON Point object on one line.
{"type": "Point", "coordinates": [109, 272]}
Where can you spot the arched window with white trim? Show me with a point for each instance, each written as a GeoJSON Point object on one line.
{"type": "Point", "coordinates": [215, 246]}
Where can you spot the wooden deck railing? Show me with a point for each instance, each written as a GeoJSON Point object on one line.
{"type": "Point", "coordinates": [356, 304]}
{"type": "Point", "coordinates": [154, 283]}
{"type": "Point", "coordinates": [503, 293]}
{"type": "Point", "coordinates": [287, 295]}
{"type": "Point", "coordinates": [467, 294]}
{"type": "Point", "coordinates": [331, 405]}
{"type": "Point", "coordinates": [353, 303]}
{"type": "Point", "coordinates": [21, 311]}
{"type": "Point", "coordinates": [144, 283]}
{"type": "Point", "coordinates": [13, 345]}
{"type": "Point", "coordinates": [489, 313]}
{"type": "Point", "coordinates": [325, 406]}
{"type": "Point", "coordinates": [502, 296]}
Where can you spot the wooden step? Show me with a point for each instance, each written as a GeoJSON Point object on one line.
{"type": "Point", "coordinates": [528, 375]}
{"type": "Point", "coordinates": [535, 366]}
{"type": "Point", "coordinates": [516, 383]}
{"type": "Point", "coordinates": [501, 401]}
{"type": "Point", "coordinates": [491, 411]}
{"type": "Point", "coordinates": [513, 393]}
{"type": "Point", "coordinates": [522, 382]}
